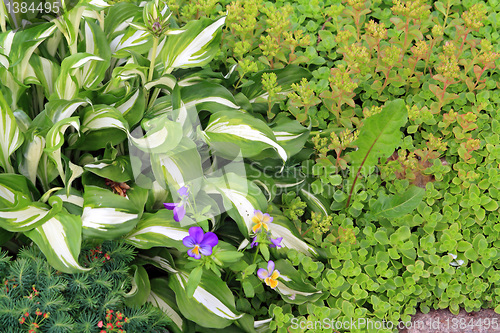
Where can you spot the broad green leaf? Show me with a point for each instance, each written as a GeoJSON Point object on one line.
{"type": "Point", "coordinates": [13, 189]}
{"type": "Point", "coordinates": [55, 140]}
{"type": "Point", "coordinates": [290, 134]}
{"type": "Point", "coordinates": [11, 137]}
{"type": "Point", "coordinates": [228, 131]}
{"type": "Point", "coordinates": [161, 136]}
{"type": "Point", "coordinates": [164, 298]}
{"type": "Point", "coordinates": [315, 202]}
{"type": "Point", "coordinates": [132, 106]}
{"type": "Point", "coordinates": [141, 288]}
{"type": "Point", "coordinates": [59, 239]}
{"type": "Point", "coordinates": [47, 72]}
{"type": "Point", "coordinates": [92, 73]}
{"type": "Point", "coordinates": [212, 304]}
{"type": "Point", "coordinates": [244, 198]}
{"type": "Point", "coordinates": [71, 78]}
{"type": "Point", "coordinates": [208, 96]}
{"type": "Point", "coordinates": [101, 124]}
{"type": "Point", "coordinates": [195, 47]}
{"type": "Point", "coordinates": [130, 40]}
{"type": "Point", "coordinates": [158, 229]}
{"type": "Point", "coordinates": [60, 109]}
{"type": "Point", "coordinates": [282, 227]}
{"type": "Point", "coordinates": [398, 205]}
{"type": "Point", "coordinates": [378, 138]}
{"type": "Point", "coordinates": [107, 215]}
{"type": "Point", "coordinates": [292, 288]}
{"type": "Point", "coordinates": [118, 170]}
{"type": "Point", "coordinates": [193, 281]}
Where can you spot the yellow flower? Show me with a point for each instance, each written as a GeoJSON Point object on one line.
{"type": "Point", "coordinates": [261, 220]}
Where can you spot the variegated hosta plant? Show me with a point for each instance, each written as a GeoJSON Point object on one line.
{"type": "Point", "coordinates": [112, 127]}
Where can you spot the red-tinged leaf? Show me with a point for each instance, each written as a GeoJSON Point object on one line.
{"type": "Point", "coordinates": [469, 83]}
{"type": "Point", "coordinates": [439, 78]}
{"type": "Point", "coordinates": [478, 71]}
{"type": "Point", "coordinates": [436, 90]}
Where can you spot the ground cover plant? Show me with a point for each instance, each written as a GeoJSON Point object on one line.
{"type": "Point", "coordinates": [269, 165]}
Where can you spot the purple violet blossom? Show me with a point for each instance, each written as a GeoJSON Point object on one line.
{"type": "Point", "coordinates": [200, 243]}
{"type": "Point", "coordinates": [178, 208]}
{"type": "Point", "coordinates": [275, 242]}
{"type": "Point", "coordinates": [269, 275]}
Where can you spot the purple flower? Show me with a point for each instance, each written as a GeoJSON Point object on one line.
{"type": "Point", "coordinates": [254, 242]}
{"type": "Point", "coordinates": [270, 276]}
{"type": "Point", "coordinates": [199, 242]}
{"type": "Point", "coordinates": [275, 242]}
{"type": "Point", "coordinates": [178, 208]}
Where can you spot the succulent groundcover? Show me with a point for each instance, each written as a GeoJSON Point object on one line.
{"type": "Point", "coordinates": [247, 165]}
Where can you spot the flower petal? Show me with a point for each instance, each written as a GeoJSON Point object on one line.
{"type": "Point", "coordinates": [179, 213]}
{"type": "Point", "coordinates": [188, 241]}
{"type": "Point", "coordinates": [275, 275]}
{"type": "Point", "coordinates": [258, 214]}
{"type": "Point", "coordinates": [270, 266]}
{"type": "Point", "coordinates": [183, 191]}
{"type": "Point", "coordinates": [210, 239]}
{"type": "Point", "coordinates": [262, 273]}
{"type": "Point", "coordinates": [170, 205]}
{"type": "Point", "coordinates": [194, 254]}
{"type": "Point", "coordinates": [267, 218]}
{"type": "Point", "coordinates": [273, 283]}
{"type": "Point", "coordinates": [276, 242]}
{"type": "Point", "coordinates": [197, 234]}
{"type": "Point", "coordinates": [206, 250]}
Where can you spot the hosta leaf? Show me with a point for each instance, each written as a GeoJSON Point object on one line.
{"type": "Point", "coordinates": [55, 140]}
{"type": "Point", "coordinates": [118, 170]}
{"type": "Point", "coordinates": [109, 216]}
{"type": "Point", "coordinates": [282, 227]}
{"type": "Point", "coordinates": [212, 304]}
{"type": "Point", "coordinates": [25, 215]}
{"type": "Point", "coordinates": [72, 202]}
{"type": "Point", "coordinates": [208, 96]}
{"type": "Point", "coordinates": [95, 43]}
{"type": "Point", "coordinates": [164, 298]}
{"type": "Point", "coordinates": [195, 47]}
{"type": "Point", "coordinates": [31, 153]}
{"type": "Point", "coordinates": [59, 239]}
{"type": "Point", "coordinates": [71, 78]}
{"type": "Point", "coordinates": [158, 229]}
{"type": "Point", "coordinates": [132, 106]}
{"type": "Point", "coordinates": [398, 205]}
{"type": "Point", "coordinates": [141, 287]}
{"type": "Point", "coordinates": [229, 129]}
{"type": "Point", "coordinates": [60, 109]}
{"type": "Point", "coordinates": [47, 72]}
{"type": "Point", "coordinates": [244, 198]}
{"type": "Point", "coordinates": [118, 17]}
{"type": "Point", "coordinates": [131, 39]}
{"type": "Point", "coordinates": [163, 136]}
{"type": "Point", "coordinates": [14, 189]}
{"type": "Point", "coordinates": [179, 167]}
{"type": "Point", "coordinates": [102, 124]}
{"type": "Point", "coordinates": [292, 287]}
{"type": "Point", "coordinates": [11, 137]}
{"type": "Point", "coordinates": [290, 135]}
{"type": "Point", "coordinates": [315, 202]}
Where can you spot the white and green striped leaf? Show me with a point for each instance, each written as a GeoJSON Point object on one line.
{"type": "Point", "coordinates": [290, 134]}
{"type": "Point", "coordinates": [282, 227]}
{"type": "Point", "coordinates": [208, 96]}
{"type": "Point", "coordinates": [195, 47]}
{"type": "Point", "coordinates": [132, 106]}
{"type": "Point", "coordinates": [164, 298]}
{"type": "Point", "coordinates": [11, 137]}
{"type": "Point", "coordinates": [243, 131]}
{"type": "Point", "coordinates": [55, 140]}
{"type": "Point", "coordinates": [71, 78]}
{"type": "Point", "coordinates": [241, 198]}
{"type": "Point", "coordinates": [60, 109]}
{"type": "Point", "coordinates": [95, 43]}
{"type": "Point", "coordinates": [291, 286]}
{"type": "Point", "coordinates": [118, 170]}
{"type": "Point", "coordinates": [212, 304]}
{"type": "Point", "coordinates": [141, 288]}
{"type": "Point", "coordinates": [315, 202]}
{"type": "Point", "coordinates": [31, 151]}
{"type": "Point", "coordinates": [59, 239]}
{"type": "Point", "coordinates": [109, 216]}
{"type": "Point", "coordinates": [162, 136]}
{"type": "Point", "coordinates": [46, 72]}
{"type": "Point", "coordinates": [102, 124]}
{"type": "Point", "coordinates": [158, 230]}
